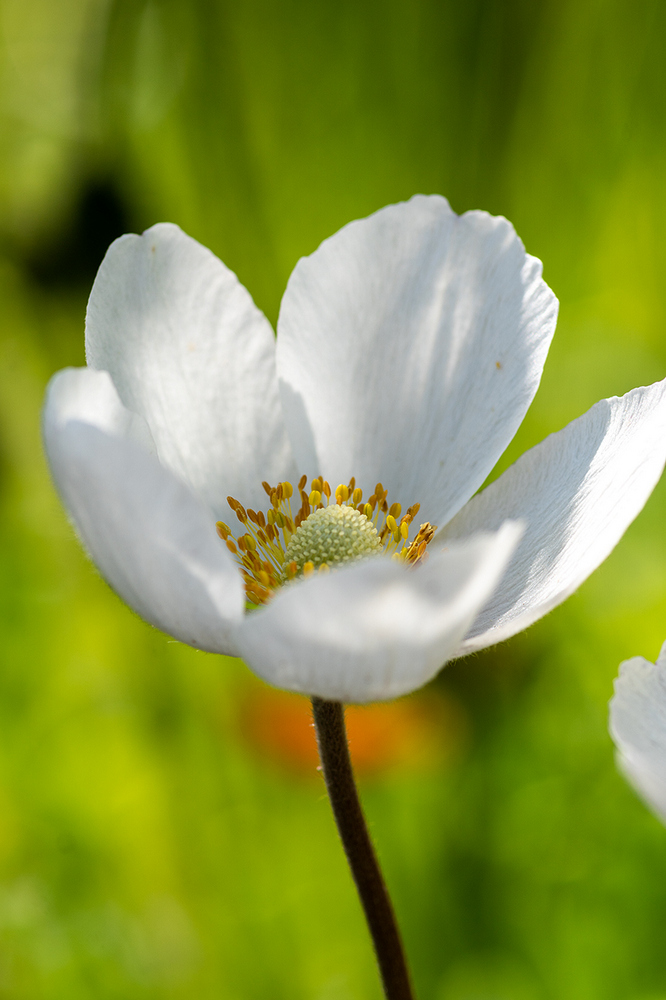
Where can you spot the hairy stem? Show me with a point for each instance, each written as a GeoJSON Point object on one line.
{"type": "Point", "coordinates": [329, 719]}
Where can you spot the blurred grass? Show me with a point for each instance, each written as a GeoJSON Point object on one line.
{"type": "Point", "coordinates": [148, 849]}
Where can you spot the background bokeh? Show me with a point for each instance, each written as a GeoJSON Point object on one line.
{"type": "Point", "coordinates": [163, 830]}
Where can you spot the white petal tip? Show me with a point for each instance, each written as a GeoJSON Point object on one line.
{"type": "Point", "coordinates": [637, 724]}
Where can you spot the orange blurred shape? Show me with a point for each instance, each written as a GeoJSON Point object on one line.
{"type": "Point", "coordinates": [410, 733]}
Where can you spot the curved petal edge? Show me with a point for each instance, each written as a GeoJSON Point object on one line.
{"type": "Point", "coordinates": [189, 350]}
{"type": "Point", "coordinates": [577, 492]}
{"type": "Point", "coordinates": [410, 346]}
{"type": "Point", "coordinates": [150, 537]}
{"type": "Point", "coordinates": [637, 724]}
{"type": "Point", "coordinates": [375, 630]}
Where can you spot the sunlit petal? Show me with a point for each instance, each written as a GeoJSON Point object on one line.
{"type": "Point", "coordinates": [638, 726]}
{"type": "Point", "coordinates": [152, 539]}
{"type": "Point", "coordinates": [377, 629]}
{"type": "Point", "coordinates": [410, 345]}
{"type": "Point", "coordinates": [577, 492]}
{"type": "Point", "coordinates": [189, 351]}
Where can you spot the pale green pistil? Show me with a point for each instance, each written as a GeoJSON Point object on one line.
{"type": "Point", "coordinates": [332, 536]}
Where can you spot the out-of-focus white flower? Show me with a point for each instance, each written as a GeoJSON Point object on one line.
{"type": "Point", "coordinates": [637, 723]}
{"type": "Point", "coordinates": [409, 348]}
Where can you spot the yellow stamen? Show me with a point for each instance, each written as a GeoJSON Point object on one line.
{"type": "Point", "coordinates": [265, 548]}
{"type": "Point", "coordinates": [342, 493]}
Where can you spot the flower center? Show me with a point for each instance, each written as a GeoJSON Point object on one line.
{"type": "Point", "coordinates": [333, 535]}
{"type": "Point", "coordinates": [324, 533]}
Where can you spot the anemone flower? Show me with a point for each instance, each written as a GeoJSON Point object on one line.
{"type": "Point", "coordinates": [410, 346]}
{"type": "Point", "coordinates": [637, 723]}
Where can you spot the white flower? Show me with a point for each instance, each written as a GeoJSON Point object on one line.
{"type": "Point", "coordinates": [637, 723]}
{"type": "Point", "coordinates": [409, 348]}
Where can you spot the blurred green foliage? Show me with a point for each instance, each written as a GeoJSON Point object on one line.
{"type": "Point", "coordinates": [147, 849]}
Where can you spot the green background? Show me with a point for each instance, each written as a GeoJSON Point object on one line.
{"type": "Point", "coordinates": [149, 848]}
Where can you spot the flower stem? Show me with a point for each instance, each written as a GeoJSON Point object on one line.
{"type": "Point", "coordinates": [329, 719]}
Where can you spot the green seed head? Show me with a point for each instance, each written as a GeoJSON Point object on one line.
{"type": "Point", "coordinates": [333, 536]}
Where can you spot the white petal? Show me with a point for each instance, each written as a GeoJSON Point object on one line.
{"type": "Point", "coordinates": [410, 346]}
{"type": "Point", "coordinates": [577, 492]}
{"type": "Point", "coordinates": [152, 539]}
{"type": "Point", "coordinates": [375, 630]}
{"type": "Point", "coordinates": [90, 397]}
{"type": "Point", "coordinates": [638, 726]}
{"type": "Point", "coordinates": [189, 351]}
